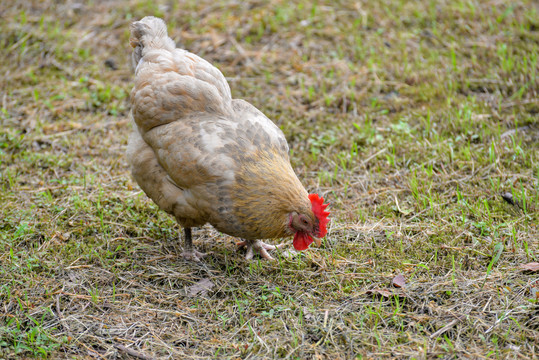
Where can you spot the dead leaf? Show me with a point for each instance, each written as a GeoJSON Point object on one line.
{"type": "Point", "coordinates": [202, 287]}
{"type": "Point", "coordinates": [533, 266]}
{"type": "Point", "coordinates": [398, 281]}
{"type": "Point", "coordinates": [384, 292]}
{"type": "Point", "coordinates": [534, 289]}
{"type": "Point", "coordinates": [508, 197]}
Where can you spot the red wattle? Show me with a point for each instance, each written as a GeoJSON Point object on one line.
{"type": "Point", "coordinates": [302, 241]}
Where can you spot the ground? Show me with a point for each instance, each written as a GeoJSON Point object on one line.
{"type": "Point", "coordinates": [412, 118]}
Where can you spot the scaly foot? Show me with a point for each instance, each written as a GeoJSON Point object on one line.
{"type": "Point", "coordinates": [189, 252]}
{"type": "Point", "coordinates": [260, 247]}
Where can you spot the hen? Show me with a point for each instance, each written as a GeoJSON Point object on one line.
{"type": "Point", "coordinates": [204, 157]}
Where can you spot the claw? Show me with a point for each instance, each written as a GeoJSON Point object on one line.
{"type": "Point", "coordinates": [241, 244]}
{"type": "Point", "coordinates": [260, 247]}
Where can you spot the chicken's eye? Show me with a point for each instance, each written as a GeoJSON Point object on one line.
{"type": "Point", "coordinates": [304, 221]}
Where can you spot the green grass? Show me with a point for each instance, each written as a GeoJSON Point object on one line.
{"type": "Point", "coordinates": [411, 118]}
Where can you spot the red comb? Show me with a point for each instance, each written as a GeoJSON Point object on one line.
{"type": "Point", "coordinates": [319, 208]}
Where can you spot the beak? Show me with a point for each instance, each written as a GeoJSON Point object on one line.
{"type": "Point", "coordinates": [317, 241]}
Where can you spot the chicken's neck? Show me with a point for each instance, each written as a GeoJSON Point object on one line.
{"type": "Point", "coordinates": [266, 190]}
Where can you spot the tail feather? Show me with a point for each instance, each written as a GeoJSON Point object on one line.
{"type": "Point", "coordinates": [150, 32]}
{"type": "Point", "coordinates": [171, 83]}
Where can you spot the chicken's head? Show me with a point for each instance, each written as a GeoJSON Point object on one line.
{"type": "Point", "coordinates": [309, 227]}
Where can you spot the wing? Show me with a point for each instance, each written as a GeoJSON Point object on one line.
{"type": "Point", "coordinates": [194, 151]}
{"type": "Point", "coordinates": [257, 129]}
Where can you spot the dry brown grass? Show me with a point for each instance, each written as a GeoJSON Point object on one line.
{"type": "Point", "coordinates": [411, 117]}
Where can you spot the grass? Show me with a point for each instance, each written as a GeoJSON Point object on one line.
{"type": "Point", "coordinates": [412, 118]}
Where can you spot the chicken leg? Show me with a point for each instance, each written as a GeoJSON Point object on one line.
{"type": "Point", "coordinates": [260, 247]}
{"type": "Point", "coordinates": [189, 252]}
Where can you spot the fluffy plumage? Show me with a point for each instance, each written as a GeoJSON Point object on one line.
{"type": "Point", "coordinates": [205, 157]}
